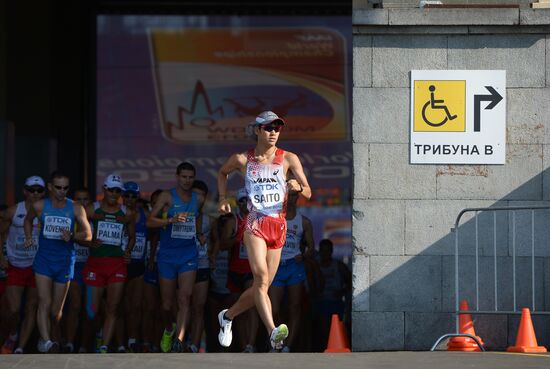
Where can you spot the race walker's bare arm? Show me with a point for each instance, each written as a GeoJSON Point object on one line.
{"type": "Point", "coordinates": [300, 183]}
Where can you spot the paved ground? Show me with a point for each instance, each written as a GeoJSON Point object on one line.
{"type": "Point", "coordinates": [370, 360]}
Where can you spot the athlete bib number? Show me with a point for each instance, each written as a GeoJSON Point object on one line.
{"type": "Point", "coordinates": [81, 253]}
{"type": "Point", "coordinates": [110, 233]}
{"type": "Point", "coordinates": [185, 230]}
{"type": "Point", "coordinates": [54, 226]}
{"type": "Point", "coordinates": [203, 250]}
{"type": "Point", "coordinates": [23, 252]}
{"type": "Point", "coordinates": [291, 244]}
{"type": "Point", "coordinates": [139, 247]}
{"type": "Point", "coordinates": [243, 254]}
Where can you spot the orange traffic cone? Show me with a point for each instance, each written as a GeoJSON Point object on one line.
{"type": "Point", "coordinates": [466, 325]}
{"type": "Point", "coordinates": [526, 341]}
{"type": "Point", "coordinates": [344, 333]}
{"type": "Point", "coordinates": [337, 339]}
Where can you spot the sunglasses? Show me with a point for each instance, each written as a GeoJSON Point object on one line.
{"type": "Point", "coordinates": [34, 190]}
{"type": "Point", "coordinates": [64, 188]}
{"type": "Point", "coordinates": [272, 127]}
{"type": "Point", "coordinates": [131, 195]}
{"type": "Point", "coordinates": [81, 199]}
{"type": "Point", "coordinates": [114, 190]}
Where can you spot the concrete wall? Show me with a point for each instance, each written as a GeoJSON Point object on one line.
{"type": "Point", "coordinates": [403, 247]}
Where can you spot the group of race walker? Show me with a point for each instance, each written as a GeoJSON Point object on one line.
{"type": "Point", "coordinates": [126, 271]}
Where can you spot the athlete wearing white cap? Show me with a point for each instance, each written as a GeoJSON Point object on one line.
{"type": "Point", "coordinates": [265, 169]}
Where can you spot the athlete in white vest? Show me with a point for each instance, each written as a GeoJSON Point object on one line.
{"type": "Point", "coordinates": [291, 273]}
{"type": "Point", "coordinates": [19, 266]}
{"type": "Point", "coordinates": [265, 169]}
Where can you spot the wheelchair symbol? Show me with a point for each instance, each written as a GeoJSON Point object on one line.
{"type": "Point", "coordinates": [432, 104]}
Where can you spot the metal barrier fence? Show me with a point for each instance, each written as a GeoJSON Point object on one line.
{"type": "Point", "coordinates": [455, 230]}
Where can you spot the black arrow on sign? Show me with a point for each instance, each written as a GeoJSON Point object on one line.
{"type": "Point", "coordinates": [494, 98]}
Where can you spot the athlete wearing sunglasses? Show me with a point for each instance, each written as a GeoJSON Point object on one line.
{"type": "Point", "coordinates": [106, 268]}
{"type": "Point", "coordinates": [265, 169]}
{"type": "Point", "coordinates": [272, 127]}
{"type": "Point", "coordinates": [19, 267]}
{"type": "Point", "coordinates": [54, 261]}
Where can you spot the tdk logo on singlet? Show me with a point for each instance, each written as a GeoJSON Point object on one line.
{"type": "Point", "coordinates": [266, 184]}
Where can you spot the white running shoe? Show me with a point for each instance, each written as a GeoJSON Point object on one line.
{"type": "Point", "coordinates": [225, 336]}
{"type": "Point", "coordinates": [278, 335]}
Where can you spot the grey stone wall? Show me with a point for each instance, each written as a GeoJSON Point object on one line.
{"type": "Point", "coordinates": [403, 248]}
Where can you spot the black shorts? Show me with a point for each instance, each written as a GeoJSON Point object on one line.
{"type": "Point", "coordinates": [203, 275]}
{"type": "Point", "coordinates": [236, 281]}
{"type": "Point", "coordinates": [136, 269]}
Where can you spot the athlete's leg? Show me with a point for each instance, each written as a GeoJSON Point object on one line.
{"type": "Point", "coordinates": [200, 293]}
{"type": "Point", "coordinates": [60, 291]}
{"type": "Point", "coordinates": [114, 296]}
{"type": "Point", "coordinates": [27, 326]}
{"type": "Point", "coordinates": [14, 295]}
{"type": "Point", "coordinates": [252, 323]}
{"type": "Point", "coordinates": [73, 315]}
{"type": "Point", "coordinates": [186, 281]}
{"type": "Point", "coordinates": [263, 264]}
{"type": "Point", "coordinates": [133, 307]}
{"type": "Point", "coordinates": [167, 293]}
{"type": "Point", "coordinates": [276, 294]}
{"type": "Point", "coordinates": [150, 315]}
{"type": "Point", "coordinates": [44, 289]}
{"type": "Point", "coordinates": [94, 298]}
{"type": "Point", "coordinates": [295, 294]}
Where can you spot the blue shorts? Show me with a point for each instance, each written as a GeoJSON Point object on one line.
{"type": "Point", "coordinates": [289, 273]}
{"type": "Point", "coordinates": [60, 270]}
{"type": "Point", "coordinates": [77, 277]}
{"type": "Point", "coordinates": [151, 277]}
{"type": "Point", "coordinates": [171, 268]}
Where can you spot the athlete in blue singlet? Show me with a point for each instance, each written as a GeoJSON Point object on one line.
{"type": "Point", "coordinates": [54, 262]}
{"type": "Point", "coordinates": [133, 294]}
{"type": "Point", "coordinates": [177, 257]}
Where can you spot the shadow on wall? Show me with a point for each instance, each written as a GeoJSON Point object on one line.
{"type": "Point", "coordinates": [414, 296]}
{"type": "Point", "coordinates": [403, 248]}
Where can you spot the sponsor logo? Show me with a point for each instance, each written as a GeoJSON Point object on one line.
{"type": "Point", "coordinates": [265, 180]}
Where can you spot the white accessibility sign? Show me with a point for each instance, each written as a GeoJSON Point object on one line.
{"type": "Point", "coordinates": [458, 117]}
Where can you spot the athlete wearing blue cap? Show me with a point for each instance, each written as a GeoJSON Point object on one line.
{"type": "Point", "coordinates": [133, 295]}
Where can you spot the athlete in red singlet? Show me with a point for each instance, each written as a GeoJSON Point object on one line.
{"type": "Point", "coordinates": [265, 170]}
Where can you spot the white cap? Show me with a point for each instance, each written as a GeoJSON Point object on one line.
{"type": "Point", "coordinates": [35, 181]}
{"type": "Point", "coordinates": [241, 193]}
{"type": "Point", "coordinates": [114, 181]}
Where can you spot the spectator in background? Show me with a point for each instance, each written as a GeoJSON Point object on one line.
{"type": "Point", "coordinates": [337, 283]}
